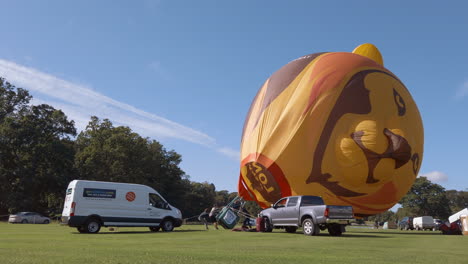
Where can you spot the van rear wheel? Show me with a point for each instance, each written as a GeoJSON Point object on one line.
{"type": "Point", "coordinates": [93, 226]}
{"type": "Point", "coordinates": [167, 225]}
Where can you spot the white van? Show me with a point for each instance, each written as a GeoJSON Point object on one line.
{"type": "Point", "coordinates": [92, 204]}
{"type": "Point", "coordinates": [423, 223]}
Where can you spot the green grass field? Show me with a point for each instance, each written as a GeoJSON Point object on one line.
{"type": "Point", "coordinates": [191, 244]}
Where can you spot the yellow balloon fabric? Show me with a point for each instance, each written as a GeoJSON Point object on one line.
{"type": "Point", "coordinates": [370, 51]}
{"type": "Point", "coordinates": [337, 125]}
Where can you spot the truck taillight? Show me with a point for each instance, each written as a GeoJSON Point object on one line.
{"type": "Point", "coordinates": [72, 210]}
{"type": "Point", "coordinates": [326, 212]}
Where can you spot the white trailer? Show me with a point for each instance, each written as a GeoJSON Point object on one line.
{"type": "Point", "coordinates": [456, 217]}
{"type": "Point", "coordinates": [92, 204]}
{"type": "Point", "coordinates": [423, 223]}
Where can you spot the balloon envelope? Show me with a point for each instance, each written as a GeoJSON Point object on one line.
{"type": "Point", "coordinates": [337, 125]}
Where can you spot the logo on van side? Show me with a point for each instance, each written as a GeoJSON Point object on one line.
{"type": "Point", "coordinates": [98, 193]}
{"type": "Point", "coordinates": [130, 196]}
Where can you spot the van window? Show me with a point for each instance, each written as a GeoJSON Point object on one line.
{"type": "Point", "coordinates": [69, 191]}
{"type": "Point", "coordinates": [156, 201]}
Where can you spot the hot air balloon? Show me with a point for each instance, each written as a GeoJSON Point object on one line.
{"type": "Point", "coordinates": [335, 124]}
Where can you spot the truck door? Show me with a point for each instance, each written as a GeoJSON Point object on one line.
{"type": "Point", "coordinates": [157, 208]}
{"type": "Point", "coordinates": [278, 214]}
{"type": "Point", "coordinates": [291, 212]}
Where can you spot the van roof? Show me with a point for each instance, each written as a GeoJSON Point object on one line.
{"type": "Point", "coordinates": [74, 183]}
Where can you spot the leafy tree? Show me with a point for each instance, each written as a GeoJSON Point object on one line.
{"type": "Point", "coordinates": [199, 197]}
{"type": "Point", "coordinates": [406, 211]}
{"type": "Point", "coordinates": [108, 153]}
{"type": "Point", "coordinates": [458, 200]}
{"type": "Point", "coordinates": [36, 152]}
{"type": "Point", "coordinates": [252, 207]}
{"type": "Point", "coordinates": [427, 198]}
{"type": "Point", "coordinates": [387, 216]}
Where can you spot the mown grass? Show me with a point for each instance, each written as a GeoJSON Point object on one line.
{"type": "Point", "coordinates": [192, 244]}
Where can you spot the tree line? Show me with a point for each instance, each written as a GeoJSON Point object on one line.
{"type": "Point", "coordinates": [426, 198]}
{"type": "Point", "coordinates": [41, 152]}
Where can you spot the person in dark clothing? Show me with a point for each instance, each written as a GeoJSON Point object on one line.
{"type": "Point", "coordinates": [246, 222]}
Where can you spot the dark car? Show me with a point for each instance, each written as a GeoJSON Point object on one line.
{"type": "Point", "coordinates": [406, 223]}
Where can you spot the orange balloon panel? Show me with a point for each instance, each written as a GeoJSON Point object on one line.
{"type": "Point", "coordinates": [337, 125]}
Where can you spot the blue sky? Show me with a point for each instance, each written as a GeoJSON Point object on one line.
{"type": "Point", "coordinates": [185, 72]}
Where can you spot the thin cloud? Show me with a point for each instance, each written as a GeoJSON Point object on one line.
{"type": "Point", "coordinates": [436, 176]}
{"type": "Point", "coordinates": [462, 91]}
{"type": "Point", "coordinates": [79, 102]}
{"type": "Point", "coordinates": [229, 152]}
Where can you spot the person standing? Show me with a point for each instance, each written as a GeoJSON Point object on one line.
{"type": "Point", "coordinates": [204, 217]}
{"type": "Point", "coordinates": [213, 213]}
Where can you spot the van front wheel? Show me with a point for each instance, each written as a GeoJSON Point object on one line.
{"type": "Point", "coordinates": [167, 225]}
{"type": "Point", "coordinates": [93, 226]}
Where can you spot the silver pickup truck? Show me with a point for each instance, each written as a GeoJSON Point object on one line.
{"type": "Point", "coordinates": [310, 212]}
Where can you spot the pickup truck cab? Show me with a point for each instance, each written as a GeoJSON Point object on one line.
{"type": "Point", "coordinates": [308, 212]}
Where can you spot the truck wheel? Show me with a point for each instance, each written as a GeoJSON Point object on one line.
{"type": "Point", "coordinates": [167, 226]}
{"type": "Point", "coordinates": [334, 230]}
{"type": "Point", "coordinates": [154, 228]}
{"type": "Point", "coordinates": [266, 222]}
{"type": "Point", "coordinates": [81, 229]}
{"type": "Point", "coordinates": [93, 226]}
{"type": "Point", "coordinates": [308, 227]}
{"type": "Point", "coordinates": [291, 229]}
{"type": "Point", "coordinates": [24, 221]}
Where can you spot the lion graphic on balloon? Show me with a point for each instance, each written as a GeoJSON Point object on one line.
{"type": "Point", "coordinates": [335, 124]}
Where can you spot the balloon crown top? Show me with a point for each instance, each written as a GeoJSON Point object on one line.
{"type": "Point", "coordinates": [370, 51]}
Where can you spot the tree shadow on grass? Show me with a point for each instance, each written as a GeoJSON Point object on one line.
{"type": "Point", "coordinates": [361, 235]}
{"type": "Point", "coordinates": [345, 235]}
{"type": "Point", "coordinates": [136, 232]}
{"type": "Point", "coordinates": [421, 233]}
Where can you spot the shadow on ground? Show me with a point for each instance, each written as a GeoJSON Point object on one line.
{"type": "Point", "coordinates": [137, 232]}
{"type": "Point", "coordinates": [416, 233]}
